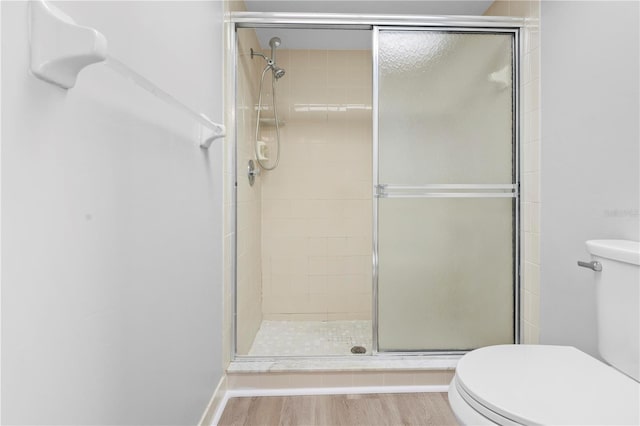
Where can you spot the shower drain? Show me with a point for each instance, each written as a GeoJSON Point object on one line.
{"type": "Point", "coordinates": [358, 350]}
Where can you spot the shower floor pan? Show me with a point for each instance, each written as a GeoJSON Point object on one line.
{"type": "Point", "coordinates": [311, 338]}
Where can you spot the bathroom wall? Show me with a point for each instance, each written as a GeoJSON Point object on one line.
{"type": "Point", "coordinates": [591, 155]}
{"type": "Point", "coordinates": [249, 198]}
{"type": "Point", "coordinates": [112, 215]}
{"type": "Point", "coordinates": [317, 226]}
{"type": "Point", "coordinates": [530, 145]}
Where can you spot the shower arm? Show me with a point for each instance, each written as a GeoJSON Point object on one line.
{"type": "Point", "coordinates": [269, 61]}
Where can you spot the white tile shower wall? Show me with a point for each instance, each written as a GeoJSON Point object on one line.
{"type": "Point", "coordinates": [529, 159]}
{"type": "Point", "coordinates": [317, 224]}
{"type": "Point", "coordinates": [249, 198]}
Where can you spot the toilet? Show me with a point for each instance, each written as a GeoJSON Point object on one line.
{"type": "Point", "coordinates": [561, 385]}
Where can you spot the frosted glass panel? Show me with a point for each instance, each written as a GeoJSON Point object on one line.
{"type": "Point", "coordinates": [445, 239]}
{"type": "Point", "coordinates": [442, 93]}
{"type": "Point", "coordinates": [445, 273]}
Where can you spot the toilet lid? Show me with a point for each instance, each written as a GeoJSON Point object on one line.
{"type": "Point", "coordinates": [548, 385]}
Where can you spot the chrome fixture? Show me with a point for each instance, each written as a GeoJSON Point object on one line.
{"type": "Point", "coordinates": [276, 74]}
{"type": "Point", "coordinates": [274, 43]}
{"type": "Point", "coordinates": [252, 172]}
{"type": "Point", "coordinates": [593, 265]}
{"type": "Point", "coordinates": [271, 62]}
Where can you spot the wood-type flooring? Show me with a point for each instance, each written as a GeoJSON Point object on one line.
{"type": "Point", "coordinates": [423, 409]}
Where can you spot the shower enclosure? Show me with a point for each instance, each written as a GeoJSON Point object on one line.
{"type": "Point", "coordinates": [391, 223]}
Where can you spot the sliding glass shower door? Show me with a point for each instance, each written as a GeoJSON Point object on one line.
{"type": "Point", "coordinates": [446, 188]}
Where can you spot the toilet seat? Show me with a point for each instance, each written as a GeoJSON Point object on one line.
{"type": "Point", "coordinates": [544, 385]}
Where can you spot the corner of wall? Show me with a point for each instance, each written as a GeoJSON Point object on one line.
{"type": "Point", "coordinates": [530, 146]}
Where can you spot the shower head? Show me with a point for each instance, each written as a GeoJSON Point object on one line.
{"type": "Point", "coordinates": [277, 71]}
{"type": "Point", "coordinates": [275, 42]}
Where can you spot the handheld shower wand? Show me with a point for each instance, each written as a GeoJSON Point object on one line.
{"type": "Point", "coordinates": [274, 43]}
{"type": "Point", "coordinates": [276, 73]}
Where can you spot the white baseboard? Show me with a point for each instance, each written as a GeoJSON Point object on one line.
{"type": "Point", "coordinates": [218, 398]}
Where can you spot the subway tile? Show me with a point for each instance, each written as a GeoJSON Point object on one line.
{"type": "Point", "coordinates": [290, 265]}
{"type": "Point", "coordinates": [337, 265]}
{"type": "Point", "coordinates": [336, 284]}
{"type": "Point", "coordinates": [531, 189]}
{"type": "Point", "coordinates": [532, 95]}
{"type": "Point", "coordinates": [360, 245]}
{"type": "Point", "coordinates": [277, 209]}
{"type": "Point", "coordinates": [316, 246]}
{"type": "Point", "coordinates": [533, 37]}
{"type": "Point", "coordinates": [317, 284]}
{"type": "Point", "coordinates": [534, 63]}
{"type": "Point", "coordinates": [337, 303]}
{"type": "Point", "coordinates": [535, 309]}
{"type": "Point", "coordinates": [358, 316]}
{"type": "Point", "coordinates": [317, 227]}
{"type": "Point", "coordinates": [279, 283]}
{"type": "Point", "coordinates": [530, 157]}
{"type": "Point", "coordinates": [317, 305]}
{"type": "Point", "coordinates": [337, 246]}
{"type": "Point", "coordinates": [361, 303]}
{"type": "Point", "coordinates": [534, 336]}
{"type": "Point", "coordinates": [299, 284]}
{"type": "Point", "coordinates": [309, 208]}
{"type": "Point", "coordinates": [526, 217]}
{"type": "Point", "coordinates": [532, 248]}
{"type": "Point", "coordinates": [283, 246]}
{"type": "Point", "coordinates": [525, 75]}
{"type": "Point", "coordinates": [531, 126]}
{"type": "Point", "coordinates": [531, 217]}
{"type": "Point", "coordinates": [527, 300]}
{"type": "Point", "coordinates": [358, 284]}
{"type": "Point", "coordinates": [318, 265]}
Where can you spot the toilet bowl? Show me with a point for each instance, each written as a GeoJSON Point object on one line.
{"type": "Point", "coordinates": [561, 385]}
{"type": "Point", "coordinates": [541, 385]}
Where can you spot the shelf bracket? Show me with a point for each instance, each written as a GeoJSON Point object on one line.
{"type": "Point", "coordinates": [60, 48]}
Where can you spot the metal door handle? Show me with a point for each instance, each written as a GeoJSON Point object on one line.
{"type": "Point", "coordinates": [593, 265]}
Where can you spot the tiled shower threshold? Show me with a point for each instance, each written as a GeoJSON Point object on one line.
{"type": "Point", "coordinates": [350, 364]}
{"type": "Point", "coordinates": [314, 346]}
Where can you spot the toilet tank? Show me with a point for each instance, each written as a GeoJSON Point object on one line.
{"type": "Point", "coordinates": [618, 303]}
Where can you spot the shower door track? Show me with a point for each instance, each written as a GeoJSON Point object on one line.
{"type": "Point", "coordinates": [366, 21]}
{"type": "Point", "coordinates": [480, 24]}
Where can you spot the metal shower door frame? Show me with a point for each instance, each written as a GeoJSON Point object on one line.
{"type": "Point", "coordinates": [374, 23]}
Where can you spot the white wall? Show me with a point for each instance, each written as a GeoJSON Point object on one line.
{"type": "Point", "coordinates": [590, 156]}
{"type": "Point", "coordinates": [111, 224]}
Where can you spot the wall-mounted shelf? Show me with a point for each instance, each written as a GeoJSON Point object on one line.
{"type": "Point", "coordinates": [60, 49]}
{"type": "Point", "coordinates": [271, 122]}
